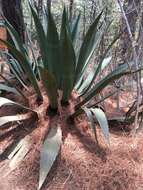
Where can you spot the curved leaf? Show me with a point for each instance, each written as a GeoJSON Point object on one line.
{"type": "Point", "coordinates": [114, 75]}
{"type": "Point", "coordinates": [9, 89]}
{"type": "Point", "coordinates": [5, 101]}
{"type": "Point", "coordinates": [15, 36]}
{"type": "Point", "coordinates": [92, 75]}
{"type": "Point", "coordinates": [102, 120]}
{"type": "Point", "coordinates": [102, 61]}
{"type": "Point", "coordinates": [26, 66]}
{"type": "Point", "coordinates": [91, 120]}
{"type": "Point", "coordinates": [6, 119]}
{"type": "Point", "coordinates": [16, 71]}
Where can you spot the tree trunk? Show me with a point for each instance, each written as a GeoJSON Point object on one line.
{"type": "Point", "coordinates": [12, 10]}
{"type": "Point", "coordinates": [40, 8]}
{"type": "Point", "coordinates": [49, 3]}
{"type": "Point", "coordinates": [70, 10]}
{"type": "Point", "coordinates": [131, 7]}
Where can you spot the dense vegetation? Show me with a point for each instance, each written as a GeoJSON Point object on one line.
{"type": "Point", "coordinates": [62, 56]}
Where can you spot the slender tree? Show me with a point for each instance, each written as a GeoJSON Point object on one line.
{"type": "Point", "coordinates": [40, 8]}
{"type": "Point", "coordinates": [49, 3]}
{"type": "Point", "coordinates": [71, 9]}
{"type": "Point", "coordinates": [130, 7]}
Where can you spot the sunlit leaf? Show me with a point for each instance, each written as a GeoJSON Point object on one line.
{"type": "Point", "coordinates": [19, 152]}
{"type": "Point", "coordinates": [6, 119]}
{"type": "Point", "coordinates": [97, 113]}
{"type": "Point", "coordinates": [5, 101]}
{"type": "Point", "coordinates": [49, 153]}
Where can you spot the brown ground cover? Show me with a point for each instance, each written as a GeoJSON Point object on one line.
{"type": "Point", "coordinates": [81, 165]}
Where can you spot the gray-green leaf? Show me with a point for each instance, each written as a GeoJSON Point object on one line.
{"type": "Point", "coordinates": [101, 118]}
{"type": "Point", "coordinates": [49, 153]}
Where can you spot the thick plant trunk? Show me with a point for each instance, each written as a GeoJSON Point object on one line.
{"type": "Point", "coordinates": [12, 10]}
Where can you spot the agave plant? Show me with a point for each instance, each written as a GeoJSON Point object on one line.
{"type": "Point", "coordinates": [62, 70]}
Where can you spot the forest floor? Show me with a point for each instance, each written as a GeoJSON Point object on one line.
{"type": "Point", "coordinates": [81, 165]}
